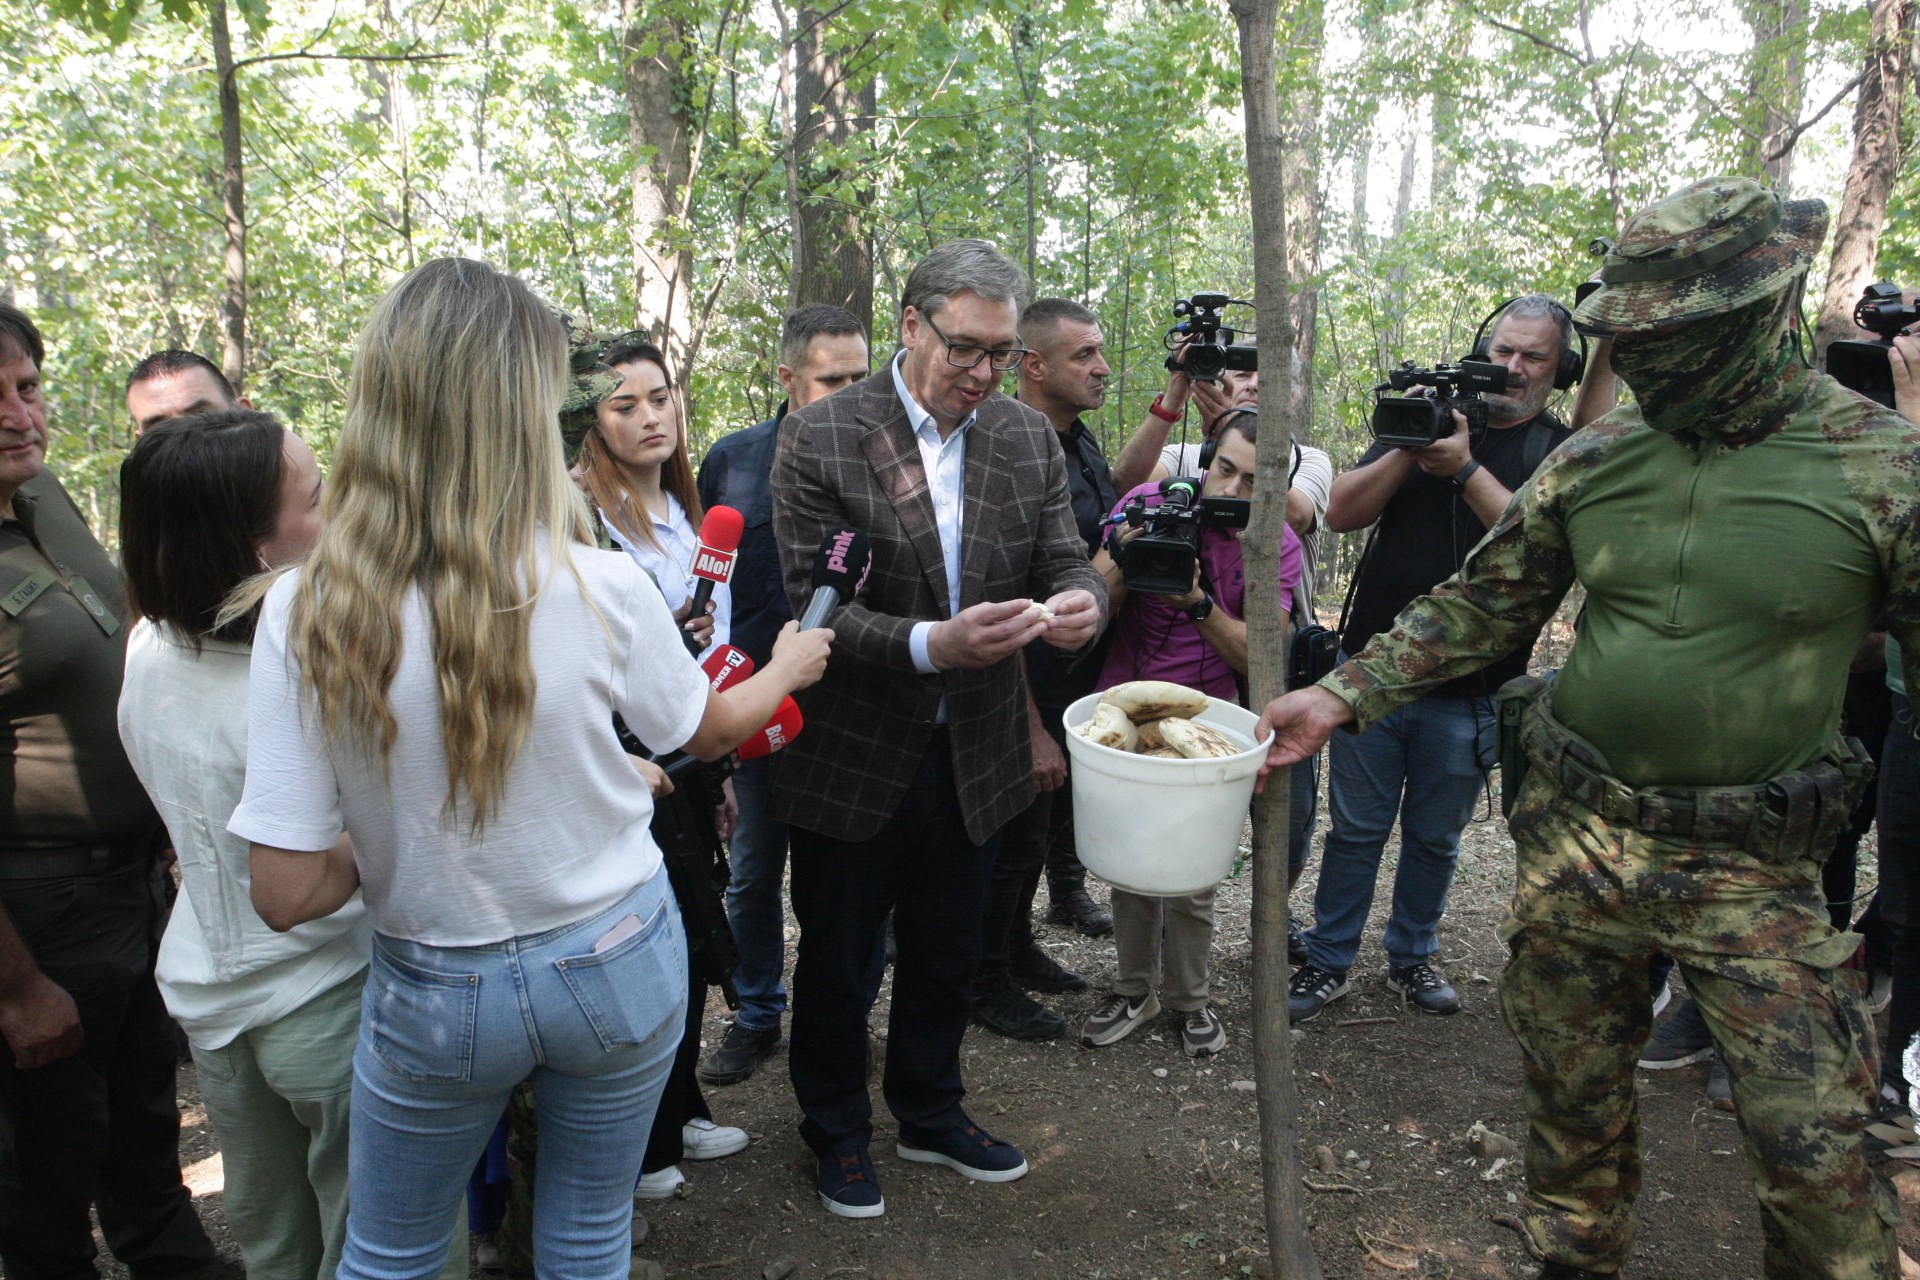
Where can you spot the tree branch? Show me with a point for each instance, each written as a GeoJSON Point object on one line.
{"type": "Point", "coordinates": [1525, 34]}
{"type": "Point", "coordinates": [1792, 136]}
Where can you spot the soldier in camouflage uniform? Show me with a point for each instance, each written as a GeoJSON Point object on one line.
{"type": "Point", "coordinates": [1738, 530]}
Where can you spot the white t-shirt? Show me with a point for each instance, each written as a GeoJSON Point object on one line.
{"type": "Point", "coordinates": [569, 837]}
{"type": "Point", "coordinates": [222, 971]}
{"type": "Point", "coordinates": [671, 563]}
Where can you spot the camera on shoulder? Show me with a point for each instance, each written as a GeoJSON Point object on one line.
{"type": "Point", "coordinates": [1160, 560]}
{"type": "Point", "coordinates": [1414, 422]}
{"type": "Point", "coordinates": [1211, 345]}
{"type": "Point", "coordinates": [1864, 365]}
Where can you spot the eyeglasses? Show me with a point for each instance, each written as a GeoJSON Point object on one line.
{"type": "Point", "coordinates": [964, 355]}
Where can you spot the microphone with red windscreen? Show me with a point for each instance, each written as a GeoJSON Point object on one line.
{"type": "Point", "coordinates": [713, 557]}
{"type": "Point", "coordinates": [776, 733]}
{"type": "Point", "coordinates": [726, 665]}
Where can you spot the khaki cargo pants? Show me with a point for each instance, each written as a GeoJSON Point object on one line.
{"type": "Point", "coordinates": [1592, 903]}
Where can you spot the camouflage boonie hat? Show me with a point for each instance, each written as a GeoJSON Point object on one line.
{"type": "Point", "coordinates": [1707, 249]}
{"type": "Point", "coordinates": [591, 380]}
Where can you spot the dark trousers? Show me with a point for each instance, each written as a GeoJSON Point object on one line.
{"type": "Point", "coordinates": [1899, 816]}
{"type": "Point", "coordinates": [1031, 840]}
{"type": "Point", "coordinates": [923, 868]}
{"type": "Point", "coordinates": [682, 1101]}
{"type": "Point", "coordinates": [1866, 715]}
{"type": "Point", "coordinates": [99, 1128]}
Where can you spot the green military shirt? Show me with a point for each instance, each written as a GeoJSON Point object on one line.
{"type": "Point", "coordinates": [64, 779]}
{"type": "Point", "coordinates": [1728, 586]}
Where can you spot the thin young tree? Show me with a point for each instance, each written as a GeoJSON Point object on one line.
{"type": "Point", "coordinates": [1288, 1243]}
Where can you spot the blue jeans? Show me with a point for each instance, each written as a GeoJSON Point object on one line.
{"type": "Point", "coordinates": [445, 1035]}
{"type": "Point", "coordinates": [758, 854]}
{"type": "Point", "coordinates": [1425, 763]}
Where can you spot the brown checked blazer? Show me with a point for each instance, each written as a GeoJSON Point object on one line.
{"type": "Point", "coordinates": [851, 461]}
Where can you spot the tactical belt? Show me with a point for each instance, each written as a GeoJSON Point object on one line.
{"type": "Point", "coordinates": [61, 864]}
{"type": "Point", "coordinates": [1797, 813]}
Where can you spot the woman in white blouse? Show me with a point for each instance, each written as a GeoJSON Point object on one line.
{"type": "Point", "coordinates": [635, 466]}
{"type": "Point", "coordinates": [439, 680]}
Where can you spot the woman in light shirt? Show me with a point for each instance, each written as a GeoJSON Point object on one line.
{"type": "Point", "coordinates": [439, 680]}
{"type": "Point", "coordinates": [634, 465]}
{"type": "Point", "coordinates": [206, 502]}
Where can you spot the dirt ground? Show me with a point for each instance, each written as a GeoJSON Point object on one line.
{"type": "Point", "coordinates": [1146, 1164]}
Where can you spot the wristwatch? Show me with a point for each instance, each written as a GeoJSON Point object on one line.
{"type": "Point", "coordinates": [1202, 609]}
{"type": "Point", "coordinates": [1459, 478]}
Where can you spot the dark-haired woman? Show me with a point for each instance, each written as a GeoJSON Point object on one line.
{"type": "Point", "coordinates": [207, 502]}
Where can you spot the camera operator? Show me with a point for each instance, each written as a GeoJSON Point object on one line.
{"type": "Point", "coordinates": [1425, 763]}
{"type": "Point", "coordinates": [1198, 639]}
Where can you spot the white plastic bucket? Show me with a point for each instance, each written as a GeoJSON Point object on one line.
{"type": "Point", "coordinates": [1157, 826]}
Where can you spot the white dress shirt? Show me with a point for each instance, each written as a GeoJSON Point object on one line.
{"type": "Point", "coordinates": [946, 465]}
{"type": "Point", "coordinates": [671, 562]}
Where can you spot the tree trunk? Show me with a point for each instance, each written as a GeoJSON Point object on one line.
{"type": "Point", "coordinates": [832, 253]}
{"type": "Point", "coordinates": [1301, 183]}
{"type": "Point", "coordinates": [1776, 84]}
{"type": "Point", "coordinates": [233, 205]}
{"type": "Point", "coordinates": [653, 38]}
{"type": "Point", "coordinates": [1876, 163]}
{"type": "Point", "coordinates": [1288, 1243]}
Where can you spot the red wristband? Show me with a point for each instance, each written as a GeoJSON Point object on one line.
{"type": "Point", "coordinates": [1161, 412]}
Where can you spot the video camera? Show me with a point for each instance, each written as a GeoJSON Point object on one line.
{"type": "Point", "coordinates": [1865, 366]}
{"type": "Point", "coordinates": [1211, 349]}
{"type": "Point", "coordinates": [1159, 562]}
{"type": "Point", "coordinates": [1414, 422]}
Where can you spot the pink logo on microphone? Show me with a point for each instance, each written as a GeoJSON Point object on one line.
{"type": "Point", "coordinates": [837, 558]}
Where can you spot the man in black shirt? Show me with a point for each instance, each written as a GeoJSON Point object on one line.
{"type": "Point", "coordinates": [1425, 763]}
{"type": "Point", "coordinates": [1064, 375]}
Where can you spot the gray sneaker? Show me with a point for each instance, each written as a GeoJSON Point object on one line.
{"type": "Point", "coordinates": [1115, 1020]}
{"type": "Point", "coordinates": [1201, 1034]}
{"type": "Point", "coordinates": [1680, 1041]}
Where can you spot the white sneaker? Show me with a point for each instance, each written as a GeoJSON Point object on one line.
{"type": "Point", "coordinates": [702, 1139]}
{"type": "Point", "coordinates": [661, 1184]}
{"type": "Point", "coordinates": [1663, 996]}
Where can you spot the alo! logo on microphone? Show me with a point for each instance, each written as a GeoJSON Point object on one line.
{"type": "Point", "coordinates": [709, 563]}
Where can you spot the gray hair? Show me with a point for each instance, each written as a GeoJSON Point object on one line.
{"type": "Point", "coordinates": [815, 320]}
{"type": "Point", "coordinates": [1537, 305]}
{"type": "Point", "coordinates": [964, 266]}
{"type": "Point", "coordinates": [1041, 320]}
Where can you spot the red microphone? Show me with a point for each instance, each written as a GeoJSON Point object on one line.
{"type": "Point", "coordinates": [776, 733]}
{"type": "Point", "coordinates": [713, 558]}
{"type": "Point", "coordinates": [726, 665]}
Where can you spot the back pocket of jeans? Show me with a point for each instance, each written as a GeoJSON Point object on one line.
{"type": "Point", "coordinates": [633, 990]}
{"type": "Point", "coordinates": [419, 1023]}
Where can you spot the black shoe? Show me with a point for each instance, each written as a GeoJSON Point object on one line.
{"type": "Point", "coordinates": [1312, 989]}
{"type": "Point", "coordinates": [1037, 971]}
{"type": "Point", "coordinates": [1719, 1086]}
{"type": "Point", "coordinates": [1296, 942]}
{"type": "Point", "coordinates": [1074, 906]}
{"type": "Point", "coordinates": [213, 1269]}
{"type": "Point", "coordinates": [847, 1185]}
{"type": "Point", "coordinates": [966, 1149]}
{"type": "Point", "coordinates": [1561, 1271]}
{"type": "Point", "coordinates": [740, 1053]}
{"type": "Point", "coordinates": [1679, 1041]}
{"type": "Point", "coordinates": [1424, 988]}
{"type": "Point", "coordinates": [1017, 1016]}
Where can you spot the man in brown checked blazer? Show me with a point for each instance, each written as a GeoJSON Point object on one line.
{"type": "Point", "coordinates": [916, 746]}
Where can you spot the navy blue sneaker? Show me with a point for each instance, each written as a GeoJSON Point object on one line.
{"type": "Point", "coordinates": [966, 1149]}
{"type": "Point", "coordinates": [848, 1186]}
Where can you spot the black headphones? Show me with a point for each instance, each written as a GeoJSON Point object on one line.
{"type": "Point", "coordinates": [1567, 372]}
{"type": "Point", "coordinates": [1211, 445]}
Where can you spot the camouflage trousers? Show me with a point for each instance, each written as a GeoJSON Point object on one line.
{"type": "Point", "coordinates": [1593, 902]}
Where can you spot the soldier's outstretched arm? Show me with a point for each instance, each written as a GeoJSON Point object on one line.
{"type": "Point", "coordinates": [1509, 586]}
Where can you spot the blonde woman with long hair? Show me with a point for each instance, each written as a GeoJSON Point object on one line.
{"type": "Point", "coordinates": [438, 681]}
